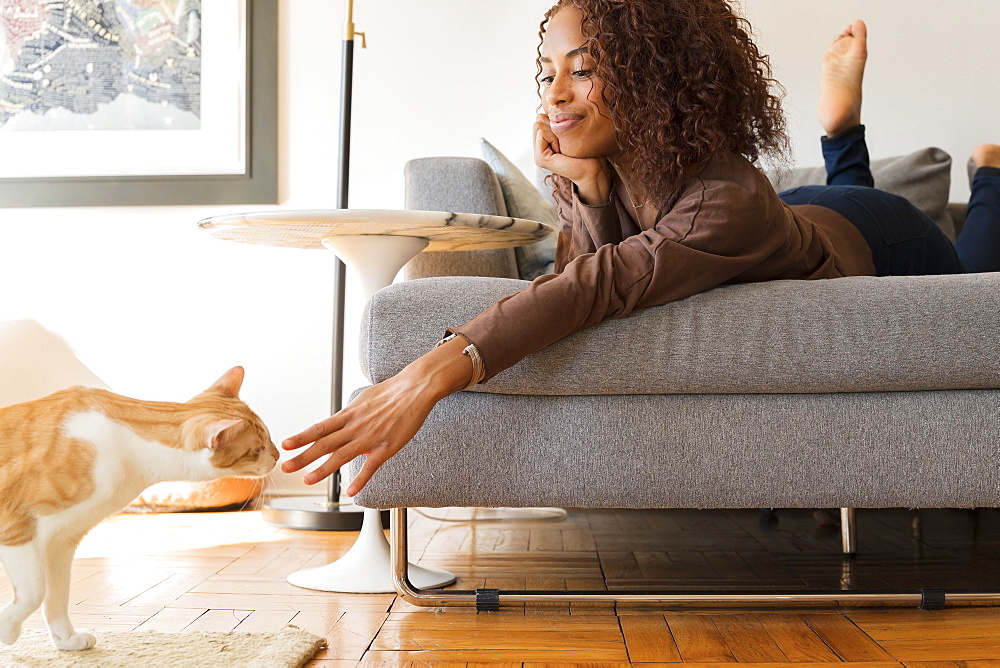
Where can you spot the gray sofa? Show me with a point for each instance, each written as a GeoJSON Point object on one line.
{"type": "Point", "coordinates": [848, 393]}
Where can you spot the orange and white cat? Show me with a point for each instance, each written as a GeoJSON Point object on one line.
{"type": "Point", "coordinates": [72, 458]}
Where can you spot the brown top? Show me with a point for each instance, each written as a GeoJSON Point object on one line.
{"type": "Point", "coordinates": [726, 225]}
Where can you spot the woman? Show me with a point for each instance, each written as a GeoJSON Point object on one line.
{"type": "Point", "coordinates": [654, 111]}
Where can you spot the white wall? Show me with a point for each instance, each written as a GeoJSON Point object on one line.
{"type": "Point", "coordinates": [931, 78]}
{"type": "Point", "coordinates": [158, 309]}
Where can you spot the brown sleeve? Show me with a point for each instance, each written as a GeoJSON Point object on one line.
{"type": "Point", "coordinates": [583, 228]}
{"type": "Point", "coordinates": [711, 235]}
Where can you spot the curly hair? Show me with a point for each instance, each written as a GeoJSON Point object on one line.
{"type": "Point", "coordinates": [683, 81]}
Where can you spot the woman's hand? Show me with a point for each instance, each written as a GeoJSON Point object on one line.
{"type": "Point", "coordinates": [381, 419]}
{"type": "Point", "coordinates": [592, 176]}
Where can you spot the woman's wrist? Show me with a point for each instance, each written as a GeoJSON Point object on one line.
{"type": "Point", "coordinates": [595, 189]}
{"type": "Point", "coordinates": [441, 371]}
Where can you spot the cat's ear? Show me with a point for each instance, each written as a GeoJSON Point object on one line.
{"type": "Point", "coordinates": [230, 383]}
{"type": "Point", "coordinates": [218, 431]}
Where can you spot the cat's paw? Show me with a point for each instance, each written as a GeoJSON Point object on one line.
{"type": "Point", "coordinates": [75, 642]}
{"type": "Point", "coordinates": [9, 633]}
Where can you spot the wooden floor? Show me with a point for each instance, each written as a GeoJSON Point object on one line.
{"type": "Point", "coordinates": [226, 571]}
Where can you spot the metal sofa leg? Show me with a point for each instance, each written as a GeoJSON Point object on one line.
{"type": "Point", "coordinates": [492, 599]}
{"type": "Point", "coordinates": [848, 531]}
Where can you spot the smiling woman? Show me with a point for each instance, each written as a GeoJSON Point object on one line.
{"type": "Point", "coordinates": [677, 82]}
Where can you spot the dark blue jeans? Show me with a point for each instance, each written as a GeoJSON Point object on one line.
{"type": "Point", "coordinates": [904, 241]}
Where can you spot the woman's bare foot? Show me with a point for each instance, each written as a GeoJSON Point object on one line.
{"type": "Point", "coordinates": [986, 155]}
{"type": "Point", "coordinates": [840, 83]}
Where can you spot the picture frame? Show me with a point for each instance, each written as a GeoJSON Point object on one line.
{"type": "Point", "coordinates": [252, 178]}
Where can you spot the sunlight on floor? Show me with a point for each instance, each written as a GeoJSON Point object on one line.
{"type": "Point", "coordinates": [170, 533]}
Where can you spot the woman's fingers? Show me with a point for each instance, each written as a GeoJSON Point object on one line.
{"type": "Point", "coordinates": [327, 468]}
{"type": "Point", "coordinates": [314, 433]}
{"type": "Point", "coordinates": [546, 142]}
{"type": "Point", "coordinates": [323, 446]}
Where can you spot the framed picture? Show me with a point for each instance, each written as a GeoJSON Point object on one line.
{"type": "Point", "coordinates": [138, 102]}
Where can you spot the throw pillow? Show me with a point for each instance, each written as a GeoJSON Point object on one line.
{"type": "Point", "coordinates": [523, 200]}
{"type": "Point", "coordinates": [923, 177]}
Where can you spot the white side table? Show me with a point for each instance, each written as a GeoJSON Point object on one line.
{"type": "Point", "coordinates": [374, 244]}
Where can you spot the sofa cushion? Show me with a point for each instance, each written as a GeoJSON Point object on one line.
{"type": "Point", "coordinates": [922, 177]}
{"type": "Point", "coordinates": [845, 450]}
{"type": "Point", "coordinates": [857, 334]}
{"type": "Point", "coordinates": [523, 200]}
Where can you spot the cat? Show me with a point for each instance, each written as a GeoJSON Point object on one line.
{"type": "Point", "coordinates": [72, 458]}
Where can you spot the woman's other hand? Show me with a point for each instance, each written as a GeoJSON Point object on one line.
{"type": "Point", "coordinates": [592, 176]}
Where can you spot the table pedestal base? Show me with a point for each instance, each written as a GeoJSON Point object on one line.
{"type": "Point", "coordinates": [365, 569]}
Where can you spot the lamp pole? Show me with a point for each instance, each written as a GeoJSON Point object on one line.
{"type": "Point", "coordinates": [328, 513]}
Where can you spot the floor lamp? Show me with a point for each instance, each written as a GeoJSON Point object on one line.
{"type": "Point", "coordinates": [328, 513]}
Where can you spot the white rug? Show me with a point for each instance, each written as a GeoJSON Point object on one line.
{"type": "Point", "coordinates": [291, 647]}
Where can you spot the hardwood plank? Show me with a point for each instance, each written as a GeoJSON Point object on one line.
{"type": "Point", "coordinates": [796, 638]}
{"type": "Point", "coordinates": [545, 540]}
{"type": "Point", "coordinates": [109, 618]}
{"type": "Point", "coordinates": [351, 635]}
{"type": "Point", "coordinates": [698, 640]}
{"type": "Point", "coordinates": [926, 625]}
{"type": "Point", "coordinates": [619, 565]}
{"type": "Point", "coordinates": [266, 621]}
{"type": "Point", "coordinates": [255, 559]}
{"type": "Point", "coordinates": [171, 620]}
{"type": "Point", "coordinates": [467, 639]}
{"type": "Point", "coordinates": [838, 664]}
{"type": "Point", "coordinates": [513, 540]}
{"type": "Point", "coordinates": [499, 621]}
{"type": "Point", "coordinates": [116, 587]}
{"type": "Point", "coordinates": [747, 639]}
{"type": "Point", "coordinates": [648, 638]}
{"type": "Point", "coordinates": [168, 590]}
{"type": "Point", "coordinates": [333, 602]}
{"type": "Point", "coordinates": [576, 656]}
{"type": "Point", "coordinates": [222, 621]}
{"type": "Point", "coordinates": [602, 664]}
{"type": "Point", "coordinates": [655, 565]}
{"type": "Point", "coordinates": [956, 649]}
{"type": "Point", "coordinates": [578, 540]}
{"type": "Point", "coordinates": [846, 639]}
{"type": "Point", "coordinates": [251, 585]}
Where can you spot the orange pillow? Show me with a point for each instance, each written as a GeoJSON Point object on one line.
{"type": "Point", "coordinates": [213, 494]}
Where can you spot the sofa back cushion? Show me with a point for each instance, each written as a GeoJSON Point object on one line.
{"type": "Point", "coordinates": [524, 200]}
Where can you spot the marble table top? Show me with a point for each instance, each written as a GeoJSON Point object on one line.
{"type": "Point", "coordinates": [444, 230]}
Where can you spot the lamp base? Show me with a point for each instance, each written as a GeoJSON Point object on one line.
{"type": "Point", "coordinates": [315, 513]}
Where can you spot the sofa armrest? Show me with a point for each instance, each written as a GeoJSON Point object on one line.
{"type": "Point", "coordinates": [462, 185]}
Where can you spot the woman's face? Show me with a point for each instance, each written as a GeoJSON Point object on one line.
{"type": "Point", "coordinates": [571, 95]}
